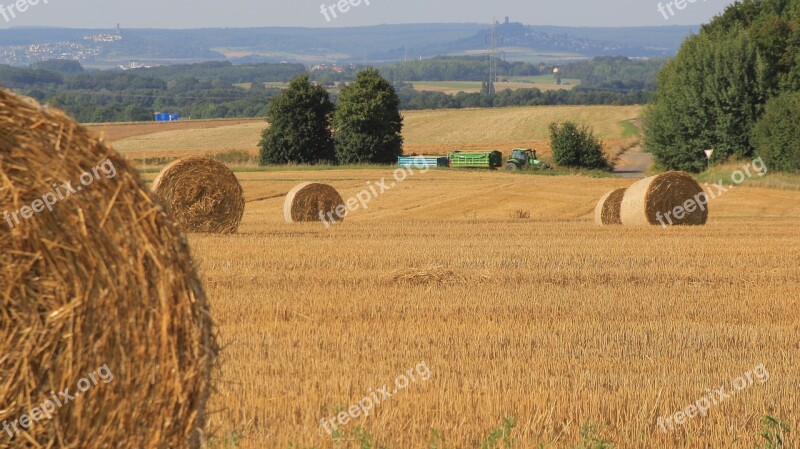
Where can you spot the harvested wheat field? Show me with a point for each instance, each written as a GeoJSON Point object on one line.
{"type": "Point", "coordinates": [554, 329]}
{"type": "Point", "coordinates": [425, 132]}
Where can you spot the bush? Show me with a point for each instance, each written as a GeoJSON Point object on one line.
{"type": "Point", "coordinates": [775, 136]}
{"type": "Point", "coordinates": [576, 146]}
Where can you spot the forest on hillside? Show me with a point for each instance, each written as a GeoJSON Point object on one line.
{"type": "Point", "coordinates": [220, 89]}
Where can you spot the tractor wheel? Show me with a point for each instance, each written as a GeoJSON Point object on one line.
{"type": "Point", "coordinates": [510, 167]}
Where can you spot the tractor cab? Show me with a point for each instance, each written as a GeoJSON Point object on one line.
{"type": "Point", "coordinates": [523, 155]}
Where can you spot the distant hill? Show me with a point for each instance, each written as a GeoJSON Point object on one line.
{"type": "Point", "coordinates": [589, 42]}
{"type": "Point", "coordinates": [364, 45]}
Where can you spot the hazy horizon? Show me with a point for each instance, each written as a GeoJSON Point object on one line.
{"type": "Point", "coordinates": [113, 26]}
{"type": "Point", "coordinates": [183, 14]}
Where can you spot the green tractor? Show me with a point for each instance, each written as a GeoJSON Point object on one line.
{"type": "Point", "coordinates": [524, 159]}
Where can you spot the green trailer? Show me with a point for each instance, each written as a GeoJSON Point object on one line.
{"type": "Point", "coordinates": [488, 159]}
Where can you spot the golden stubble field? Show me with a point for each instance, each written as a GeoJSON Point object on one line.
{"type": "Point", "coordinates": [425, 132]}
{"type": "Point", "coordinates": [549, 320]}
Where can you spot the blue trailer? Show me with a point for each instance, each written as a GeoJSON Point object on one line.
{"type": "Point", "coordinates": [167, 117]}
{"type": "Point", "coordinates": [423, 161]}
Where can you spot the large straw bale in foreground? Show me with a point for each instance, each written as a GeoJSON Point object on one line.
{"type": "Point", "coordinates": [306, 201]}
{"type": "Point", "coordinates": [100, 299]}
{"type": "Point", "coordinates": [202, 194]}
{"type": "Point", "coordinates": [607, 211]}
{"type": "Point", "coordinates": [654, 200]}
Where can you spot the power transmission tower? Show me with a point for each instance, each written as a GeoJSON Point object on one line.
{"type": "Point", "coordinates": [491, 75]}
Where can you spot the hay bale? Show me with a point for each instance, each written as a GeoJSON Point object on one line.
{"type": "Point", "coordinates": [102, 279]}
{"type": "Point", "coordinates": [306, 201]}
{"type": "Point", "coordinates": [202, 194]}
{"type": "Point", "coordinates": [608, 208]}
{"type": "Point", "coordinates": [650, 200]}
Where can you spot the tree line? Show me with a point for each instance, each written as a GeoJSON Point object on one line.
{"type": "Point", "coordinates": [215, 89]}
{"type": "Point", "coordinates": [457, 68]}
{"type": "Point", "coordinates": [610, 71]}
{"type": "Point", "coordinates": [203, 90]}
{"type": "Point", "coordinates": [415, 100]}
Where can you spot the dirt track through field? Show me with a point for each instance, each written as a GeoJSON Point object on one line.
{"type": "Point", "coordinates": [634, 163]}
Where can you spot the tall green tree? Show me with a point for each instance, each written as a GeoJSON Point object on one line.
{"type": "Point", "coordinates": [367, 123]}
{"type": "Point", "coordinates": [299, 129]}
{"type": "Point", "coordinates": [709, 97]}
{"type": "Point", "coordinates": [776, 134]}
{"type": "Point", "coordinates": [713, 92]}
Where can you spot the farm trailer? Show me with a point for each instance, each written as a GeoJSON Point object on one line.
{"type": "Point", "coordinates": [422, 161]}
{"type": "Point", "coordinates": [489, 159]}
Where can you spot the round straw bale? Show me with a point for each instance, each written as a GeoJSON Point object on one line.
{"type": "Point", "coordinates": [202, 194]}
{"type": "Point", "coordinates": [100, 298]}
{"type": "Point", "coordinates": [312, 201]}
{"type": "Point", "coordinates": [654, 200]}
{"type": "Point", "coordinates": [608, 208]}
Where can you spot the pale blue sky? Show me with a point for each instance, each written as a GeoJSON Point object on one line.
{"type": "Point", "coordinates": [306, 13]}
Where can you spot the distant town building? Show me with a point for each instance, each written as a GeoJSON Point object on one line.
{"type": "Point", "coordinates": [134, 65]}
{"type": "Point", "coordinates": [328, 68]}
{"type": "Point", "coordinates": [97, 38]}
